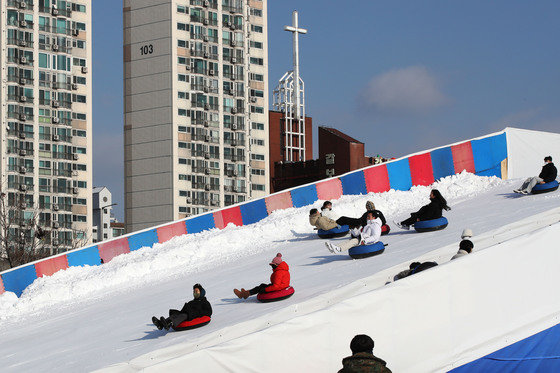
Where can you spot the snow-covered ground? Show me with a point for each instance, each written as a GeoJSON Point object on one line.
{"type": "Point", "coordinates": [87, 318]}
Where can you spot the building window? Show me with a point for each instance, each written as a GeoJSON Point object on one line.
{"type": "Point", "coordinates": [259, 187]}
{"type": "Point", "coordinates": [256, 28]}
{"type": "Point", "coordinates": [257, 109]}
{"type": "Point", "coordinates": [183, 177]}
{"type": "Point", "coordinates": [183, 95]}
{"type": "Point", "coordinates": [257, 61]}
{"type": "Point", "coordinates": [256, 77]}
{"type": "Point", "coordinates": [257, 93]}
{"type": "Point", "coordinates": [182, 43]}
{"type": "Point", "coordinates": [181, 9]}
{"type": "Point", "coordinates": [257, 126]}
{"type": "Point", "coordinates": [104, 225]}
{"type": "Point", "coordinates": [257, 157]}
{"type": "Point", "coordinates": [256, 12]}
{"type": "Point", "coordinates": [257, 142]}
{"type": "Point", "coordinates": [182, 112]}
{"type": "Point", "coordinates": [182, 160]}
{"type": "Point", "coordinates": [257, 171]}
{"type": "Point", "coordinates": [182, 144]}
{"type": "Point", "coordinates": [256, 44]}
{"type": "Point", "coordinates": [182, 129]}
{"type": "Point", "coordinates": [181, 26]}
{"type": "Point", "coordinates": [182, 78]}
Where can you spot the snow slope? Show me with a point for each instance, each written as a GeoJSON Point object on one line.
{"type": "Point", "coordinates": [87, 318]}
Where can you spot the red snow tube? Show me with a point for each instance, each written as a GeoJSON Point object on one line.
{"type": "Point", "coordinates": [274, 296]}
{"type": "Point", "coordinates": [192, 324]}
{"type": "Point", "coordinates": [385, 229]}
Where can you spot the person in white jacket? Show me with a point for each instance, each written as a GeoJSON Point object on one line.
{"type": "Point", "coordinates": [368, 235]}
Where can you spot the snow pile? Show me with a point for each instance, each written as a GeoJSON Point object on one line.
{"type": "Point", "coordinates": [198, 252]}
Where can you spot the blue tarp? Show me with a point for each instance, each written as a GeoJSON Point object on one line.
{"type": "Point", "coordinates": [538, 353]}
{"type": "Point", "coordinates": [399, 175]}
{"type": "Point", "coordinates": [17, 280]}
{"type": "Point", "coordinates": [442, 163]}
{"type": "Point", "coordinates": [253, 212]}
{"type": "Point", "coordinates": [200, 223]}
{"type": "Point", "coordinates": [354, 183]}
{"type": "Point", "coordinates": [88, 256]}
{"type": "Point", "coordinates": [142, 239]}
{"type": "Point", "coordinates": [304, 196]}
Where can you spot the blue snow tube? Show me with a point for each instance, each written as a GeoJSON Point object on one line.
{"type": "Point", "coordinates": [335, 232]}
{"type": "Point", "coordinates": [431, 225]}
{"type": "Point", "coordinates": [365, 251]}
{"type": "Point", "coordinates": [546, 187]}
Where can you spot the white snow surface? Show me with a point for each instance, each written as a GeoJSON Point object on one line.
{"type": "Point", "coordinates": [86, 318]}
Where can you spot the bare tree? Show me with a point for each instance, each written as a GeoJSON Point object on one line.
{"type": "Point", "coordinates": [22, 240]}
{"type": "Point", "coordinates": [26, 237]}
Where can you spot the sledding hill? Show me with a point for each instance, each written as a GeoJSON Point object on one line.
{"type": "Point", "coordinates": [87, 318]}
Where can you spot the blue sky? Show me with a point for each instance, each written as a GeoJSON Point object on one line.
{"type": "Point", "coordinates": [401, 76]}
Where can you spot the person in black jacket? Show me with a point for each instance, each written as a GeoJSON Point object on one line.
{"type": "Point", "coordinates": [361, 221]}
{"type": "Point", "coordinates": [428, 212]}
{"type": "Point", "coordinates": [197, 307]}
{"type": "Point", "coordinates": [548, 174]}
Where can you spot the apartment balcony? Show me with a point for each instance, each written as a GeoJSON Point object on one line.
{"type": "Point", "coordinates": [22, 80]}
{"type": "Point", "coordinates": [22, 5]}
{"type": "Point", "coordinates": [20, 151]}
{"type": "Point", "coordinates": [20, 169]}
{"type": "Point", "coordinates": [20, 42]}
{"type": "Point", "coordinates": [21, 134]}
{"type": "Point", "coordinates": [234, 157]}
{"type": "Point", "coordinates": [234, 142]}
{"type": "Point", "coordinates": [213, 4]}
{"type": "Point", "coordinates": [232, 76]}
{"type": "Point", "coordinates": [232, 9]}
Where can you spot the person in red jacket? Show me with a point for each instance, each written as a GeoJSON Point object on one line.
{"type": "Point", "coordinates": [279, 280]}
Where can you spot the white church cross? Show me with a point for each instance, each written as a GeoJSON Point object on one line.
{"type": "Point", "coordinates": [295, 30]}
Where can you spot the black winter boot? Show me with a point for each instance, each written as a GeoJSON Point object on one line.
{"type": "Point", "coordinates": [157, 323]}
{"type": "Point", "coordinates": [165, 322]}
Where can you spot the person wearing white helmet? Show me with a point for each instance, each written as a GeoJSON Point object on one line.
{"type": "Point", "coordinates": [467, 234]}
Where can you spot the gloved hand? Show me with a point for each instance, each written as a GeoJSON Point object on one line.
{"type": "Point", "coordinates": [338, 227]}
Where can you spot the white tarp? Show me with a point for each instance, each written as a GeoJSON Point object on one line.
{"type": "Point", "coordinates": [433, 321]}
{"type": "Point", "coordinates": [527, 149]}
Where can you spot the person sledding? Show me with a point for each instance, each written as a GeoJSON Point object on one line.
{"type": "Point", "coordinates": [198, 307]}
{"type": "Point", "coordinates": [547, 175]}
{"type": "Point", "coordinates": [430, 211]}
{"type": "Point", "coordinates": [279, 280]}
{"type": "Point", "coordinates": [326, 211]}
{"type": "Point", "coordinates": [367, 235]}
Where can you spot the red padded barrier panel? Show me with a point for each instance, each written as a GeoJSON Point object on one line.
{"type": "Point", "coordinates": [377, 179]}
{"type": "Point", "coordinates": [109, 250]}
{"type": "Point", "coordinates": [278, 202]}
{"type": "Point", "coordinates": [330, 189]}
{"type": "Point", "coordinates": [172, 230]}
{"type": "Point", "coordinates": [224, 217]}
{"type": "Point", "coordinates": [421, 172]}
{"type": "Point", "coordinates": [463, 157]}
{"type": "Point", "coordinates": [50, 266]}
{"type": "Point", "coordinates": [1, 286]}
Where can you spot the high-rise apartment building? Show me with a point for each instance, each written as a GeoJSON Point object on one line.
{"type": "Point", "coordinates": [46, 111]}
{"type": "Point", "coordinates": [196, 107]}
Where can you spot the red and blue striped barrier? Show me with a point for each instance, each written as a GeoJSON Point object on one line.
{"type": "Point", "coordinates": [481, 156]}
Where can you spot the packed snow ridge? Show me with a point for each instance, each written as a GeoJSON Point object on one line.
{"type": "Point", "coordinates": [192, 253]}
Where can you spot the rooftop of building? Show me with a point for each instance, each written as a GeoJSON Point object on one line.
{"type": "Point", "coordinates": [340, 134]}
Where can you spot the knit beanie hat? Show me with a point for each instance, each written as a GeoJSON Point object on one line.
{"type": "Point", "coordinates": [277, 259]}
{"type": "Point", "coordinates": [199, 287]}
{"type": "Point", "coordinates": [370, 206]}
{"type": "Point", "coordinates": [467, 233]}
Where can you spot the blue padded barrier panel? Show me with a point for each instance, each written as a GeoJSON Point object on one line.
{"type": "Point", "coordinates": [142, 239]}
{"type": "Point", "coordinates": [399, 175]}
{"type": "Point", "coordinates": [442, 162]}
{"type": "Point", "coordinates": [304, 196]}
{"type": "Point", "coordinates": [354, 183]}
{"type": "Point", "coordinates": [88, 256]}
{"type": "Point", "coordinates": [488, 153]}
{"type": "Point", "coordinates": [538, 353]}
{"type": "Point", "coordinates": [200, 223]}
{"type": "Point", "coordinates": [495, 171]}
{"type": "Point", "coordinates": [17, 280]}
{"type": "Point", "coordinates": [254, 211]}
